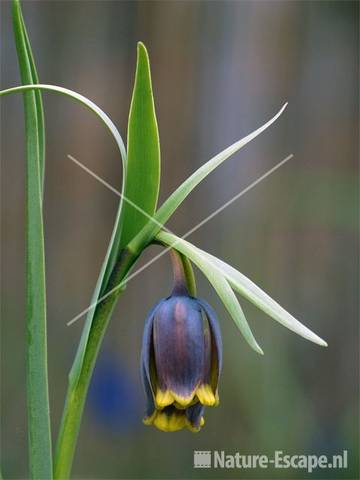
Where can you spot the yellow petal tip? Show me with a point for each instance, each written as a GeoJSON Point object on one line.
{"type": "Point", "coordinates": [206, 395]}
{"type": "Point", "coordinates": [163, 398]}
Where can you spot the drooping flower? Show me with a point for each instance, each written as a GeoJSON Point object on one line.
{"type": "Point", "coordinates": [180, 362]}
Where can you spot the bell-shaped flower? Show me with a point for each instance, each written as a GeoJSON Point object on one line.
{"type": "Point", "coordinates": [180, 362]}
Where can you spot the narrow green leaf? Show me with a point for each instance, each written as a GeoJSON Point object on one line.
{"type": "Point", "coordinates": [141, 187]}
{"type": "Point", "coordinates": [37, 377]}
{"type": "Point", "coordinates": [113, 248]}
{"type": "Point", "coordinates": [176, 198]}
{"type": "Point", "coordinates": [81, 99]}
{"type": "Point", "coordinates": [217, 280]}
{"type": "Point", "coordinates": [250, 291]}
{"type": "Point", "coordinates": [262, 300]}
{"type": "Point", "coordinates": [30, 76]}
{"type": "Point", "coordinates": [143, 149]}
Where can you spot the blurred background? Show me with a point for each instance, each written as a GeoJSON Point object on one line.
{"type": "Point", "coordinates": [220, 70]}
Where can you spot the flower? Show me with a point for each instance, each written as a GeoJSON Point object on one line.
{"type": "Point", "coordinates": [180, 362]}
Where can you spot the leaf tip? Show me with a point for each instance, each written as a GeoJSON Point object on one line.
{"type": "Point", "coordinates": [283, 108]}
{"type": "Point", "coordinates": [256, 347]}
{"type": "Point", "coordinates": [142, 64]}
{"type": "Point", "coordinates": [316, 339]}
{"type": "Point", "coordinates": [142, 50]}
{"type": "Point", "coordinates": [259, 350]}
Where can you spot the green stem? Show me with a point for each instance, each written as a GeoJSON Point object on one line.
{"type": "Point", "coordinates": [184, 279]}
{"type": "Point", "coordinates": [77, 391]}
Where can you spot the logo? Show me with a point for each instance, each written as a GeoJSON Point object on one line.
{"type": "Point", "coordinates": [202, 459]}
{"type": "Point", "coordinates": [279, 460]}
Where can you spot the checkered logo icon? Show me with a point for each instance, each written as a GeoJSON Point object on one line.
{"type": "Point", "coordinates": [202, 459]}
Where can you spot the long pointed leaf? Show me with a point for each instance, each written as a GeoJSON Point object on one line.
{"type": "Point", "coordinates": [143, 153]}
{"type": "Point", "coordinates": [262, 300]}
{"type": "Point", "coordinates": [252, 292]}
{"type": "Point", "coordinates": [176, 198]}
{"type": "Point", "coordinates": [30, 76]}
{"type": "Point", "coordinates": [79, 98]}
{"type": "Point", "coordinates": [112, 251]}
{"type": "Point", "coordinates": [217, 280]}
{"type": "Point", "coordinates": [40, 451]}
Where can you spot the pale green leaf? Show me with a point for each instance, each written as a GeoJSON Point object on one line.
{"type": "Point", "coordinates": [176, 198]}
{"type": "Point", "coordinates": [217, 280]}
{"type": "Point", "coordinates": [81, 99]}
{"type": "Point", "coordinates": [262, 300]}
{"type": "Point", "coordinates": [249, 290]}
{"type": "Point", "coordinates": [112, 252]}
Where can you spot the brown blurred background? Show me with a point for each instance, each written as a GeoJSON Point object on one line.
{"type": "Point", "coordinates": [220, 69]}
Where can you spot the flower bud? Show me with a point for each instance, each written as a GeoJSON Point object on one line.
{"type": "Point", "coordinates": [180, 362]}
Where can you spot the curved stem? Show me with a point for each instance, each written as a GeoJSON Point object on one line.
{"type": "Point", "coordinates": [77, 391]}
{"type": "Point", "coordinates": [184, 279]}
